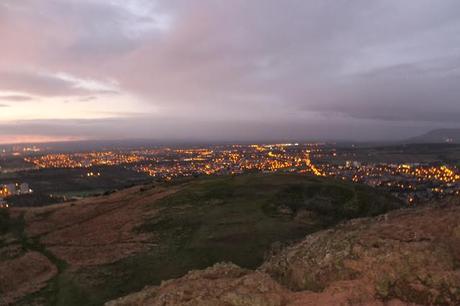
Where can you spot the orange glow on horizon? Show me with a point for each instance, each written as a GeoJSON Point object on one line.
{"type": "Point", "coordinates": [18, 139]}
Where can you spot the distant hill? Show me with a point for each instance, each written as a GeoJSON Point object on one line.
{"type": "Point", "coordinates": [438, 136]}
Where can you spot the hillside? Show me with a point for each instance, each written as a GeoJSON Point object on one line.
{"type": "Point", "coordinates": [97, 249]}
{"type": "Point", "coordinates": [438, 136]}
{"type": "Point", "coordinates": [406, 257]}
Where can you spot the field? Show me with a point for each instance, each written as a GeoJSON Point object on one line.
{"type": "Point", "coordinates": [409, 153]}
{"type": "Point", "coordinates": [70, 183]}
{"type": "Point", "coordinates": [114, 245]}
{"type": "Point", "coordinates": [14, 163]}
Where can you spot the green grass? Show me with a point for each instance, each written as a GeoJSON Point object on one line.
{"type": "Point", "coordinates": [233, 219]}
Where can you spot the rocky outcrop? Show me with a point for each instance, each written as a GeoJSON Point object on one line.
{"type": "Point", "coordinates": [222, 284]}
{"type": "Point", "coordinates": [410, 255]}
{"type": "Point", "coordinates": [407, 257]}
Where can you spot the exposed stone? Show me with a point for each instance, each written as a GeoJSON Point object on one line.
{"type": "Point", "coordinates": [408, 257]}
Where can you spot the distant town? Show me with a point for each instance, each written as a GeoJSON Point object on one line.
{"type": "Point", "coordinates": [413, 182]}
{"type": "Point", "coordinates": [12, 189]}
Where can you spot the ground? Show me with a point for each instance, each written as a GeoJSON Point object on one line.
{"type": "Point", "coordinates": [97, 249]}
{"type": "Point", "coordinates": [405, 257]}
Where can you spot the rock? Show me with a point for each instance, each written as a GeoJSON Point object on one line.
{"type": "Point", "coordinates": [410, 257]}
{"type": "Point", "coordinates": [222, 284]}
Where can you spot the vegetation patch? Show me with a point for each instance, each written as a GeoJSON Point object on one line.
{"type": "Point", "coordinates": [236, 219]}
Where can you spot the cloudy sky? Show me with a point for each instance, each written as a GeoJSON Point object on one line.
{"type": "Point", "coordinates": [227, 69]}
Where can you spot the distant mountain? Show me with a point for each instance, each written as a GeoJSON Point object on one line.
{"type": "Point", "coordinates": [438, 136]}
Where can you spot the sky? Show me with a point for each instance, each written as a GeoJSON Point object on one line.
{"type": "Point", "coordinates": [228, 70]}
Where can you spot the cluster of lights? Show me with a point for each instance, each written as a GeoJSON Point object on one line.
{"type": "Point", "coordinates": [236, 159]}
{"type": "Point", "coordinates": [12, 189]}
{"type": "Point", "coordinates": [314, 159]}
{"type": "Point", "coordinates": [4, 192]}
{"type": "Point", "coordinates": [441, 173]}
{"type": "Point", "coordinates": [405, 180]}
{"type": "Point", "coordinates": [311, 167]}
{"type": "Point", "coordinates": [93, 174]}
{"type": "Point", "coordinates": [83, 160]}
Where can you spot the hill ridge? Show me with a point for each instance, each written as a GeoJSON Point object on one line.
{"type": "Point", "coordinates": [445, 135]}
{"type": "Point", "coordinates": [112, 245]}
{"type": "Point", "coordinates": [405, 257]}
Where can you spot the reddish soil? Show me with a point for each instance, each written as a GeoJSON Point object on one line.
{"type": "Point", "coordinates": [92, 231]}
{"type": "Point", "coordinates": [24, 275]}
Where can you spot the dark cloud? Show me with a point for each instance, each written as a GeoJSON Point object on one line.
{"type": "Point", "coordinates": [425, 91]}
{"type": "Point", "coordinates": [291, 68]}
{"type": "Point", "coordinates": [169, 128]}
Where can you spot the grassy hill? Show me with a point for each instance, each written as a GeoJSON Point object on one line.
{"type": "Point", "coordinates": [408, 257]}
{"type": "Point", "coordinates": [438, 136]}
{"type": "Point", "coordinates": [238, 218]}
{"type": "Point", "coordinates": [208, 220]}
